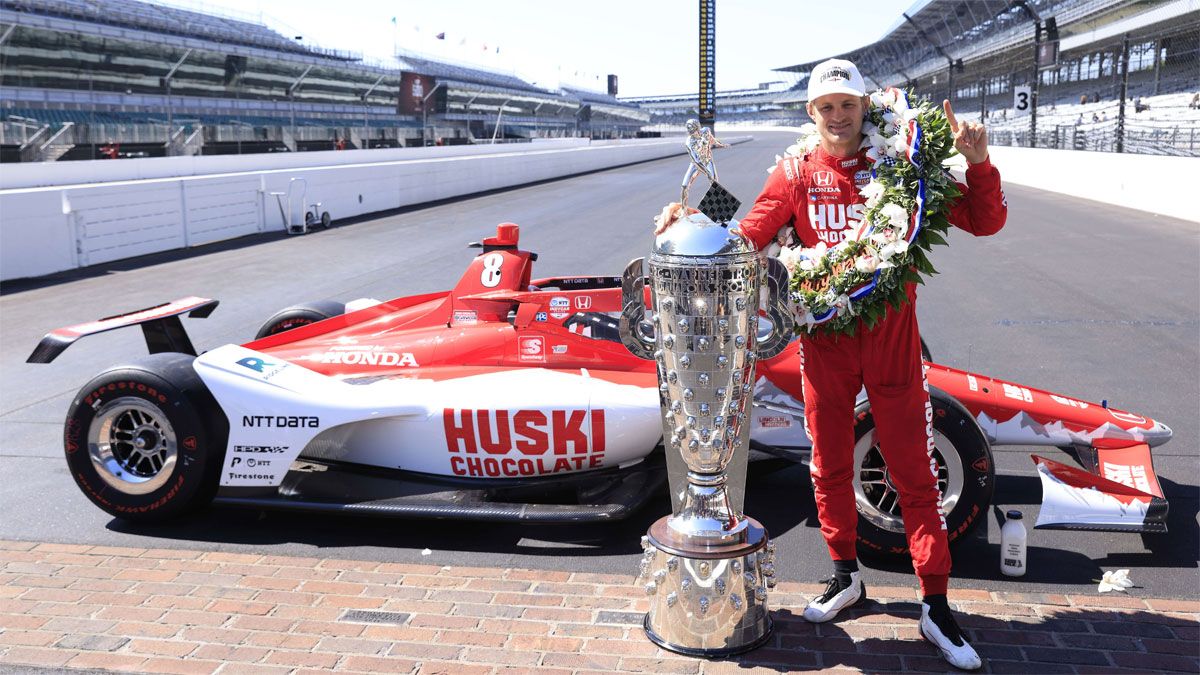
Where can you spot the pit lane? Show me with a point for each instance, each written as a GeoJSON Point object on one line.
{"type": "Point", "coordinates": [1084, 299]}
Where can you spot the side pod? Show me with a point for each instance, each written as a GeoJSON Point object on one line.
{"type": "Point", "coordinates": [160, 324]}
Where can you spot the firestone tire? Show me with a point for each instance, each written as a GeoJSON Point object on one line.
{"type": "Point", "coordinates": [300, 315]}
{"type": "Point", "coordinates": [966, 478]}
{"type": "Point", "coordinates": [145, 441]}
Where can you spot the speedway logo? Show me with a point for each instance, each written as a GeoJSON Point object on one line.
{"type": "Point", "coordinates": [281, 421]}
{"type": "Point", "coordinates": [523, 442]}
{"type": "Point", "coordinates": [357, 355]}
{"type": "Point", "coordinates": [531, 349]}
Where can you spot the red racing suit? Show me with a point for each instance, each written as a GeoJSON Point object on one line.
{"type": "Point", "coordinates": [818, 195]}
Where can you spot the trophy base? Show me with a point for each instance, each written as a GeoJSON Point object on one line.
{"type": "Point", "coordinates": [708, 600]}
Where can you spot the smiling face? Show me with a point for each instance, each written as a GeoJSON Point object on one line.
{"type": "Point", "coordinates": [839, 120]}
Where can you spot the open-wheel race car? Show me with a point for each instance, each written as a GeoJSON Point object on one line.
{"type": "Point", "coordinates": [515, 398]}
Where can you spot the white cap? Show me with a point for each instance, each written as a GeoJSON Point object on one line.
{"type": "Point", "coordinates": [835, 76]}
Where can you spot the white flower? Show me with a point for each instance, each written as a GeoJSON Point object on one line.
{"type": "Point", "coordinates": [794, 150]}
{"type": "Point", "coordinates": [790, 257]}
{"type": "Point", "coordinates": [877, 99]}
{"type": "Point", "coordinates": [866, 264]}
{"type": "Point", "coordinates": [808, 129]}
{"type": "Point", "coordinates": [901, 102]}
{"type": "Point", "coordinates": [895, 214]}
{"type": "Point", "coordinates": [900, 144]}
{"type": "Point", "coordinates": [889, 117]}
{"type": "Point", "coordinates": [909, 114]}
{"type": "Point", "coordinates": [893, 248]}
{"type": "Point", "coordinates": [872, 190]}
{"type": "Point", "coordinates": [873, 154]}
{"type": "Point", "coordinates": [888, 98]}
{"type": "Point", "coordinates": [869, 129]}
{"type": "Point", "coordinates": [883, 237]}
{"type": "Point", "coordinates": [1115, 581]}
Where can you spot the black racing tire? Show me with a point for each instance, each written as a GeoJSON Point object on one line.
{"type": "Point", "coordinates": [145, 441]}
{"type": "Point", "coordinates": [926, 355]}
{"type": "Point", "coordinates": [300, 315]}
{"type": "Point", "coordinates": [326, 221]}
{"type": "Point", "coordinates": [966, 478]}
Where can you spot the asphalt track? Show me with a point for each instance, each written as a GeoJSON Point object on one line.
{"type": "Point", "coordinates": [1084, 299]}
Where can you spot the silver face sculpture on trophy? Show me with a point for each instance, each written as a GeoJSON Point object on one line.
{"type": "Point", "coordinates": [707, 567]}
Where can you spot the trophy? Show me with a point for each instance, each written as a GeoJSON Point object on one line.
{"type": "Point", "coordinates": [707, 567]}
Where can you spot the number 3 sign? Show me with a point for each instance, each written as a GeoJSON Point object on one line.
{"type": "Point", "coordinates": [1022, 100]}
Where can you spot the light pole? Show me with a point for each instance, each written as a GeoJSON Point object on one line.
{"type": "Point", "coordinates": [366, 112]}
{"type": "Point", "coordinates": [1037, 48]}
{"type": "Point", "coordinates": [166, 83]}
{"type": "Point", "coordinates": [498, 116]}
{"type": "Point", "coordinates": [425, 113]}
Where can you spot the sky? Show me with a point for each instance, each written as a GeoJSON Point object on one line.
{"type": "Point", "coordinates": [651, 45]}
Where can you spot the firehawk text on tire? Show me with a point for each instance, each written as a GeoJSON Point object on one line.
{"type": "Point", "coordinates": [965, 475]}
{"type": "Point", "coordinates": [145, 441]}
{"type": "Point", "coordinates": [300, 315]}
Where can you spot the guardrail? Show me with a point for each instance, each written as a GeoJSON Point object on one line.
{"type": "Point", "coordinates": [62, 226]}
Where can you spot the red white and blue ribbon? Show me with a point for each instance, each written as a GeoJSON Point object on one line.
{"type": "Point", "coordinates": [864, 289]}
{"type": "Point", "coordinates": [914, 143]}
{"type": "Point", "coordinates": [918, 214]}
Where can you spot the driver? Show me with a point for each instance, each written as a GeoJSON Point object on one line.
{"type": "Point", "coordinates": [818, 195]}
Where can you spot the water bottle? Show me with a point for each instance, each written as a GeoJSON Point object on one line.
{"type": "Point", "coordinates": [1012, 545]}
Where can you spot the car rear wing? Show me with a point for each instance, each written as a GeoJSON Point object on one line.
{"type": "Point", "coordinates": [160, 324]}
{"type": "Point", "coordinates": [1117, 491]}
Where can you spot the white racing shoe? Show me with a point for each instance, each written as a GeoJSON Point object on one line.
{"type": "Point", "coordinates": [945, 634]}
{"type": "Point", "coordinates": [835, 598]}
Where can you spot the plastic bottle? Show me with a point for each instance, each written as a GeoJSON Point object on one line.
{"type": "Point", "coordinates": [1012, 545]}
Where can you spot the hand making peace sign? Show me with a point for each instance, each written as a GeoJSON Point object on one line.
{"type": "Point", "coordinates": [970, 138]}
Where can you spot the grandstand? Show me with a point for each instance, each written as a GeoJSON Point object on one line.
{"type": "Point", "coordinates": [91, 79]}
{"type": "Point", "coordinates": [975, 52]}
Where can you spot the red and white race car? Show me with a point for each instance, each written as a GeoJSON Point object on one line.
{"type": "Point", "coordinates": [514, 398]}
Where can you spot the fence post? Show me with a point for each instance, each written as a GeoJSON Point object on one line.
{"type": "Point", "coordinates": [1124, 92]}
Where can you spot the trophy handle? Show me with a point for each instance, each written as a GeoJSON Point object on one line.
{"type": "Point", "coordinates": [637, 334]}
{"type": "Point", "coordinates": [775, 281]}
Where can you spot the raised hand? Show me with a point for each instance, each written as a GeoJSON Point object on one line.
{"type": "Point", "coordinates": [970, 138]}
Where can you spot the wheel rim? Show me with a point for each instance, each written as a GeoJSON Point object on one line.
{"type": "Point", "coordinates": [132, 445]}
{"type": "Point", "coordinates": [874, 493]}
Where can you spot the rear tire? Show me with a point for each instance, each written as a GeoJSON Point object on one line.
{"type": "Point", "coordinates": [145, 442]}
{"type": "Point", "coordinates": [966, 478]}
{"type": "Point", "coordinates": [300, 315]}
{"type": "Point", "coordinates": [326, 221]}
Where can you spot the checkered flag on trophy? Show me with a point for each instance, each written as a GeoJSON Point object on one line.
{"type": "Point", "coordinates": [719, 204]}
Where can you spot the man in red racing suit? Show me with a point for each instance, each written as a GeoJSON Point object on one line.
{"type": "Point", "coordinates": [819, 195]}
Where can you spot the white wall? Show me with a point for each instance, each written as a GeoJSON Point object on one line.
{"type": "Point", "coordinates": [1164, 185]}
{"type": "Point", "coordinates": [99, 211]}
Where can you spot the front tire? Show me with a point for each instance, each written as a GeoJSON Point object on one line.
{"type": "Point", "coordinates": [145, 442]}
{"type": "Point", "coordinates": [300, 315]}
{"type": "Point", "coordinates": [966, 478]}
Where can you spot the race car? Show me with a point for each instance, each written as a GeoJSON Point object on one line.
{"type": "Point", "coordinates": [522, 399]}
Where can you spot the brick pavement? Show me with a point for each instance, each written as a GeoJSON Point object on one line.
{"type": "Point", "coordinates": [101, 608]}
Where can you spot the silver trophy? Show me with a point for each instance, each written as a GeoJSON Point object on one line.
{"type": "Point", "coordinates": [707, 567]}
